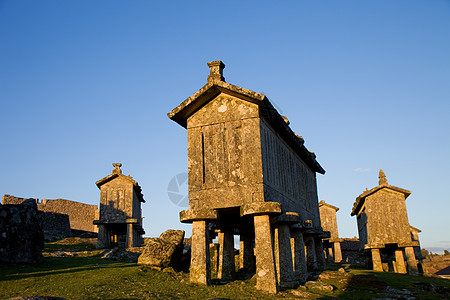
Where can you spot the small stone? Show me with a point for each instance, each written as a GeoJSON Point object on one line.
{"type": "Point", "coordinates": [319, 286]}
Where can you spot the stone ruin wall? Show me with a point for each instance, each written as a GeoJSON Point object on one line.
{"type": "Point", "coordinates": [63, 215]}
{"type": "Point", "coordinates": [21, 236]}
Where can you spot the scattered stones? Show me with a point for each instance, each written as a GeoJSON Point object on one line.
{"type": "Point", "coordinates": [429, 287]}
{"type": "Point", "coordinates": [164, 251]}
{"type": "Point", "coordinates": [120, 255]}
{"type": "Point", "coordinates": [319, 286]}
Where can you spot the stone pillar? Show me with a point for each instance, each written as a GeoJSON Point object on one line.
{"type": "Point", "coordinates": [214, 254]}
{"type": "Point", "coordinates": [298, 257]}
{"type": "Point", "coordinates": [283, 256]}
{"type": "Point", "coordinates": [376, 260]}
{"type": "Point", "coordinates": [200, 270]}
{"type": "Point", "coordinates": [330, 255]}
{"type": "Point", "coordinates": [226, 255]}
{"type": "Point", "coordinates": [129, 240]}
{"type": "Point", "coordinates": [266, 278]}
{"type": "Point", "coordinates": [400, 261]}
{"type": "Point", "coordinates": [246, 255]}
{"type": "Point", "coordinates": [411, 260]}
{"type": "Point", "coordinates": [103, 240]}
{"type": "Point", "coordinates": [320, 255]}
{"type": "Point", "coordinates": [337, 252]}
{"type": "Point", "coordinates": [311, 260]}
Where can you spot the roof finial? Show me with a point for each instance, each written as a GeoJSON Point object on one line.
{"type": "Point", "coordinates": [117, 169]}
{"type": "Point", "coordinates": [382, 178]}
{"type": "Point", "coordinates": [216, 71]}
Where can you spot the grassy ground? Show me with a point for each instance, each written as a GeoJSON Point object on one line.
{"type": "Point", "coordinates": [86, 276]}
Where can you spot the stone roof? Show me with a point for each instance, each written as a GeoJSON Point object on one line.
{"type": "Point", "coordinates": [117, 172]}
{"type": "Point", "coordinates": [383, 184]}
{"type": "Point", "coordinates": [444, 271]}
{"type": "Point", "coordinates": [323, 203]}
{"type": "Point", "coordinates": [216, 85]}
{"type": "Point", "coordinates": [414, 228]}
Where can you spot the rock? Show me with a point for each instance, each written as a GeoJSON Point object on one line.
{"type": "Point", "coordinates": [120, 255]}
{"type": "Point", "coordinates": [429, 287]}
{"type": "Point", "coordinates": [21, 235]}
{"type": "Point", "coordinates": [318, 286]}
{"type": "Point", "coordinates": [164, 251]}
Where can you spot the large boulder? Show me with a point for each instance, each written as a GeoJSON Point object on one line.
{"type": "Point", "coordinates": [165, 251]}
{"type": "Point", "coordinates": [21, 235]}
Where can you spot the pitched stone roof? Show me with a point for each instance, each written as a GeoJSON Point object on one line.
{"type": "Point", "coordinates": [444, 271]}
{"type": "Point", "coordinates": [414, 228]}
{"type": "Point", "coordinates": [117, 172]}
{"type": "Point", "coordinates": [382, 185]}
{"type": "Point", "coordinates": [323, 203]}
{"type": "Point", "coordinates": [216, 85]}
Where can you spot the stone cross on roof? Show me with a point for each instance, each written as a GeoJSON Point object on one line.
{"type": "Point", "coordinates": [117, 169]}
{"type": "Point", "coordinates": [216, 71]}
{"type": "Point", "coordinates": [382, 178]}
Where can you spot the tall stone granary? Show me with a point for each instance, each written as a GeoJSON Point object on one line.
{"type": "Point", "coordinates": [120, 221]}
{"type": "Point", "coordinates": [384, 229]}
{"type": "Point", "coordinates": [332, 244]}
{"type": "Point", "coordinates": [249, 175]}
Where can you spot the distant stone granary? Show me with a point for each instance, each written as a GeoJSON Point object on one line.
{"type": "Point", "coordinates": [249, 175]}
{"type": "Point", "coordinates": [332, 245]}
{"type": "Point", "coordinates": [120, 221]}
{"type": "Point", "coordinates": [384, 229]}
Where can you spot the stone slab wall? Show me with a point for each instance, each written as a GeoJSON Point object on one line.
{"type": "Point", "coordinates": [287, 179]}
{"type": "Point", "coordinates": [387, 219]}
{"type": "Point", "coordinates": [80, 215]}
{"type": "Point", "coordinates": [21, 235]}
{"type": "Point", "coordinates": [57, 212]}
{"type": "Point", "coordinates": [224, 154]}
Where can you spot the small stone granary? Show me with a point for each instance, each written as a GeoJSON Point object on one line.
{"type": "Point", "coordinates": [332, 245]}
{"type": "Point", "coordinates": [384, 229]}
{"type": "Point", "coordinates": [249, 175]}
{"type": "Point", "coordinates": [120, 221]}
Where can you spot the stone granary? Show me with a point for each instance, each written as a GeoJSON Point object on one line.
{"type": "Point", "coordinates": [332, 245]}
{"type": "Point", "coordinates": [249, 175]}
{"type": "Point", "coordinates": [384, 229]}
{"type": "Point", "coordinates": [120, 221]}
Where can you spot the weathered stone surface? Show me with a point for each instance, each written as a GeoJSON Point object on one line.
{"type": "Point", "coordinates": [120, 218]}
{"type": "Point", "coordinates": [383, 224]}
{"type": "Point", "coordinates": [245, 166]}
{"type": "Point", "coordinates": [319, 286]}
{"type": "Point", "coordinates": [21, 235]}
{"type": "Point", "coordinates": [190, 215]}
{"type": "Point", "coordinates": [121, 255]}
{"type": "Point", "coordinates": [164, 251]}
{"type": "Point", "coordinates": [62, 218]}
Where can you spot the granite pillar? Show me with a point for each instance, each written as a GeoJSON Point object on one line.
{"type": "Point", "coordinates": [200, 270]}
{"type": "Point", "coordinates": [400, 262]}
{"type": "Point", "coordinates": [299, 257]}
{"type": "Point", "coordinates": [283, 256]}
{"type": "Point", "coordinates": [266, 278]}
{"type": "Point", "coordinates": [376, 260]}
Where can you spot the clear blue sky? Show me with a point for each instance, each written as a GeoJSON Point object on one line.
{"type": "Point", "coordinates": [84, 84]}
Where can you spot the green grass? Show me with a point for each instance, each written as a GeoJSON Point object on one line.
{"type": "Point", "coordinates": [77, 277]}
{"type": "Point", "coordinates": [94, 278]}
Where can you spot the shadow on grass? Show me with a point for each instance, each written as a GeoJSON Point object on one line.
{"type": "Point", "coordinates": [57, 265]}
